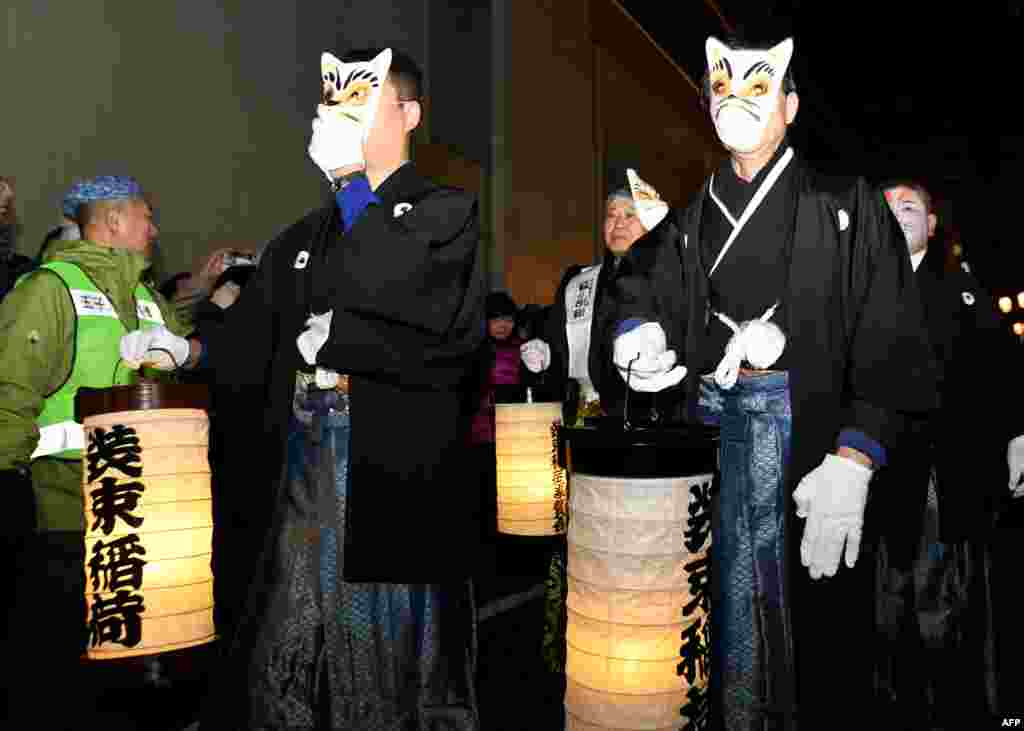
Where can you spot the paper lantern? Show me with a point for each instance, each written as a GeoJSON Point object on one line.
{"type": "Point", "coordinates": [148, 519]}
{"type": "Point", "coordinates": [531, 485]}
{"type": "Point", "coordinates": [1005, 304]}
{"type": "Point", "coordinates": [638, 597]}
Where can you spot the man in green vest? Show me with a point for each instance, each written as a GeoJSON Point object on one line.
{"type": "Point", "coordinates": [60, 329]}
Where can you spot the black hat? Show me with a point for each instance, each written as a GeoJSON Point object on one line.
{"type": "Point", "coordinates": [500, 304]}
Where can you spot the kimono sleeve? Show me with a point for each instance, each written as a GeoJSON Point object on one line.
{"type": "Point", "coordinates": [650, 285]}
{"type": "Point", "coordinates": [240, 346]}
{"type": "Point", "coordinates": [890, 369]}
{"type": "Point", "coordinates": [409, 294]}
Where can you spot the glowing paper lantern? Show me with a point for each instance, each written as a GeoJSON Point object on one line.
{"type": "Point", "coordinates": [1005, 304]}
{"type": "Point", "coordinates": [148, 519]}
{"type": "Point", "coordinates": [531, 485]}
{"type": "Point", "coordinates": [638, 631]}
{"type": "Point", "coordinates": [1018, 328]}
{"type": "Point", "coordinates": [1020, 300]}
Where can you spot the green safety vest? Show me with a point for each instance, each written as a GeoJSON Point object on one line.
{"type": "Point", "coordinates": [96, 362]}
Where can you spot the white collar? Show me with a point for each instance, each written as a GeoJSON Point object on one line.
{"type": "Point", "coordinates": [915, 259]}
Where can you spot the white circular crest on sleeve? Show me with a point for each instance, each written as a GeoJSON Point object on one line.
{"type": "Point", "coordinates": [844, 220]}
{"type": "Point", "coordinates": [968, 298]}
{"type": "Point", "coordinates": [402, 208]}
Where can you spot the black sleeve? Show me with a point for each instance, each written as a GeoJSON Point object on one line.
{"type": "Point", "coordinates": [890, 371]}
{"type": "Point", "coordinates": [996, 348]}
{"type": "Point", "coordinates": [409, 294]}
{"type": "Point", "coordinates": [239, 347]}
{"type": "Point", "coordinates": [650, 285]}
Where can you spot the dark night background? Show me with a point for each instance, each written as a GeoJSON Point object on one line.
{"type": "Point", "coordinates": [901, 89]}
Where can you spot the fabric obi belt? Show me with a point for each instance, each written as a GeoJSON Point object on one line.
{"type": "Point", "coordinates": [312, 386]}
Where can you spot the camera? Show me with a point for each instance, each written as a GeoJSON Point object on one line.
{"type": "Point", "coordinates": [238, 259]}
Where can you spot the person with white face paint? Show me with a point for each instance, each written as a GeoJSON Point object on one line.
{"type": "Point", "coordinates": [789, 300]}
{"type": "Point", "coordinates": [935, 502]}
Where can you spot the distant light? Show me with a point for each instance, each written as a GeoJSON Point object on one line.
{"type": "Point", "coordinates": [1005, 304]}
{"type": "Point", "coordinates": [1020, 300]}
{"type": "Point", "coordinates": [1018, 328]}
{"type": "Point", "coordinates": [958, 250]}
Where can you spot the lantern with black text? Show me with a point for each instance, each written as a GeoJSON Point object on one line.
{"type": "Point", "coordinates": [148, 519]}
{"type": "Point", "coordinates": [638, 601]}
{"type": "Point", "coordinates": [531, 485]}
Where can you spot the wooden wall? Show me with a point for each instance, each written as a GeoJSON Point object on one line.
{"type": "Point", "coordinates": [586, 93]}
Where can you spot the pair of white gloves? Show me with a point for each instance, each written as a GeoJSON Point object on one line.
{"type": "Point", "coordinates": [159, 348]}
{"type": "Point", "coordinates": [640, 354]}
{"type": "Point", "coordinates": [651, 374]}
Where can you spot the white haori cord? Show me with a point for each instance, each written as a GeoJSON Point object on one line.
{"type": "Point", "coordinates": [758, 342]}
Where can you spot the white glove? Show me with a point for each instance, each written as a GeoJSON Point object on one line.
{"type": "Point", "coordinates": [349, 102]}
{"type": "Point", "coordinates": [310, 340]}
{"type": "Point", "coordinates": [154, 346]}
{"type": "Point", "coordinates": [650, 208]}
{"type": "Point", "coordinates": [832, 498]}
{"type": "Point", "coordinates": [643, 361]}
{"type": "Point", "coordinates": [336, 143]}
{"type": "Point", "coordinates": [536, 355]}
{"type": "Point", "coordinates": [1015, 460]}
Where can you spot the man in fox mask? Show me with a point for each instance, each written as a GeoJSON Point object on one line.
{"type": "Point", "coordinates": [366, 317]}
{"type": "Point", "coordinates": [799, 332]}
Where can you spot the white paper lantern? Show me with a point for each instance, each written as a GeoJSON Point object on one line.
{"type": "Point", "coordinates": [531, 485]}
{"type": "Point", "coordinates": [637, 591]}
{"type": "Point", "coordinates": [148, 532]}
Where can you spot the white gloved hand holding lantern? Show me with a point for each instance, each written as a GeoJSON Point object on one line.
{"type": "Point", "coordinates": [536, 355]}
{"type": "Point", "coordinates": [155, 346]}
{"type": "Point", "coordinates": [643, 360]}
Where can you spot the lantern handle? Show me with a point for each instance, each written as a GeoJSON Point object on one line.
{"type": "Point", "coordinates": [625, 402]}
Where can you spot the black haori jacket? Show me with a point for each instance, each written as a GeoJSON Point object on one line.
{"type": "Point", "coordinates": [856, 343]}
{"type": "Point", "coordinates": [978, 416]}
{"type": "Point", "coordinates": [407, 290]}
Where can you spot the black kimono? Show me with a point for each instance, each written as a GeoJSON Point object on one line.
{"type": "Point", "coordinates": [406, 286]}
{"type": "Point", "coordinates": [856, 358]}
{"type": "Point", "coordinates": [934, 593]}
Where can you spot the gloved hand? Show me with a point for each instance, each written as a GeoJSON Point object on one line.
{"type": "Point", "coordinates": [20, 511]}
{"type": "Point", "coordinates": [349, 101]}
{"type": "Point", "coordinates": [155, 346]}
{"type": "Point", "coordinates": [336, 143]}
{"type": "Point", "coordinates": [643, 361]}
{"type": "Point", "coordinates": [310, 340]}
{"type": "Point", "coordinates": [832, 498]}
{"type": "Point", "coordinates": [650, 208]}
{"type": "Point", "coordinates": [1015, 460]}
{"type": "Point", "coordinates": [536, 355]}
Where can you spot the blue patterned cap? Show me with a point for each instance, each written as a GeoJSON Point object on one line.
{"type": "Point", "coordinates": [100, 188]}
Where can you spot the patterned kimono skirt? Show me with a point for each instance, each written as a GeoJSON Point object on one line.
{"type": "Point", "coordinates": [751, 640]}
{"type": "Point", "coordinates": [328, 654]}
